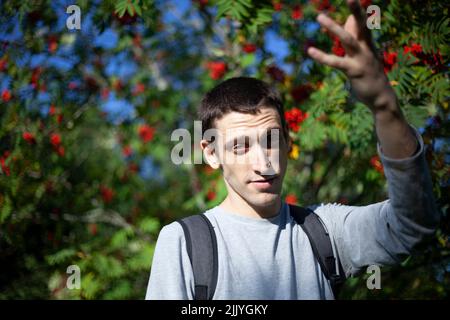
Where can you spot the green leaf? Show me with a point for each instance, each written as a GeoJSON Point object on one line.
{"type": "Point", "coordinates": [130, 9]}
{"type": "Point", "coordinates": [61, 256]}
{"type": "Point", "coordinates": [120, 238]}
{"type": "Point", "coordinates": [247, 60]}
{"type": "Point", "coordinates": [120, 7]}
{"type": "Point", "coordinates": [137, 8]}
{"type": "Point", "coordinates": [6, 209]}
{"type": "Point", "coordinates": [150, 225]}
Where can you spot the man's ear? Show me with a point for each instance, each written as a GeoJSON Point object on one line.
{"type": "Point", "coordinates": [287, 138]}
{"type": "Point", "coordinates": [209, 151]}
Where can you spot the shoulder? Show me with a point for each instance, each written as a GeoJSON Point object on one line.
{"type": "Point", "coordinates": [174, 230]}
{"type": "Point", "coordinates": [171, 233]}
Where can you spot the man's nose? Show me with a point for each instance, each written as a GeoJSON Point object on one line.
{"type": "Point", "coordinates": [260, 161]}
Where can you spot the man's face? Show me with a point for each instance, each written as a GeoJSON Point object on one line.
{"type": "Point", "coordinates": [253, 153]}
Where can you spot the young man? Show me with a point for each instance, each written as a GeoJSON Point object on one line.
{"type": "Point", "coordinates": [262, 252]}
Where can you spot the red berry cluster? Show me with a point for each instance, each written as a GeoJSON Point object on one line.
{"type": "Point", "coordinates": [294, 118]}
{"type": "Point", "coordinates": [249, 48]}
{"type": "Point", "coordinates": [107, 194]}
{"type": "Point", "coordinates": [55, 141]}
{"type": "Point", "coordinates": [301, 93]}
{"type": "Point", "coordinates": [337, 48]}
{"type": "Point", "coordinates": [323, 5]}
{"type": "Point", "coordinates": [6, 95]}
{"type": "Point", "coordinates": [291, 199]}
{"type": "Point", "coordinates": [217, 69]}
{"type": "Point", "coordinates": [276, 73]}
{"type": "Point", "coordinates": [376, 164]}
{"type": "Point", "coordinates": [389, 59]}
{"type": "Point", "coordinates": [434, 60]}
{"type": "Point", "coordinates": [146, 133]}
{"type": "Point", "coordinates": [5, 169]}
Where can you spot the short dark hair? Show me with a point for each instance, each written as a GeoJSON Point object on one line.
{"type": "Point", "coordinates": [239, 94]}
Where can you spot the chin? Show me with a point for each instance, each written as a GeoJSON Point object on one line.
{"type": "Point", "coordinates": [265, 199]}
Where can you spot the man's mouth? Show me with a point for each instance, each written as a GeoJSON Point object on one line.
{"type": "Point", "coordinates": [264, 183]}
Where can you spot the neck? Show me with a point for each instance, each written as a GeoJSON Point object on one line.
{"type": "Point", "coordinates": [240, 206]}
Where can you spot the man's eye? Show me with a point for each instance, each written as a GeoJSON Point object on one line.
{"type": "Point", "coordinates": [240, 148]}
{"type": "Point", "coordinates": [267, 142]}
{"type": "Point", "coordinates": [270, 141]}
{"type": "Point", "coordinates": [241, 145]}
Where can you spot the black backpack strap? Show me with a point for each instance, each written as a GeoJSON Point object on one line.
{"type": "Point", "coordinates": [321, 245]}
{"type": "Point", "coordinates": [201, 246]}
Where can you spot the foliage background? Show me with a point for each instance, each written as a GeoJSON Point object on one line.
{"type": "Point", "coordinates": [86, 118]}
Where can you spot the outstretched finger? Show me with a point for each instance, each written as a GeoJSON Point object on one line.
{"type": "Point", "coordinates": [360, 17]}
{"type": "Point", "coordinates": [348, 41]}
{"type": "Point", "coordinates": [356, 10]}
{"type": "Point", "coordinates": [328, 59]}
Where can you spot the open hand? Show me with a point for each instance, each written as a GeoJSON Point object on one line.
{"type": "Point", "coordinates": [360, 63]}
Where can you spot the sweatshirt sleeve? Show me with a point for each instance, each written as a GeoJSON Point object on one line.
{"type": "Point", "coordinates": [386, 232]}
{"type": "Point", "coordinates": [171, 276]}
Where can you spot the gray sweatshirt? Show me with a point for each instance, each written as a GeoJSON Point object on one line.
{"type": "Point", "coordinates": [270, 259]}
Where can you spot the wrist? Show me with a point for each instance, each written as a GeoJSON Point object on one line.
{"type": "Point", "coordinates": [385, 102]}
{"type": "Point", "coordinates": [388, 113]}
{"type": "Point", "coordinates": [395, 136]}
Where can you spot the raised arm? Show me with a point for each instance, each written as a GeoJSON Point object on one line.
{"type": "Point", "coordinates": [385, 232]}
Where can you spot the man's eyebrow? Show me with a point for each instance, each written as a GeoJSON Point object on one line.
{"type": "Point", "coordinates": [233, 140]}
